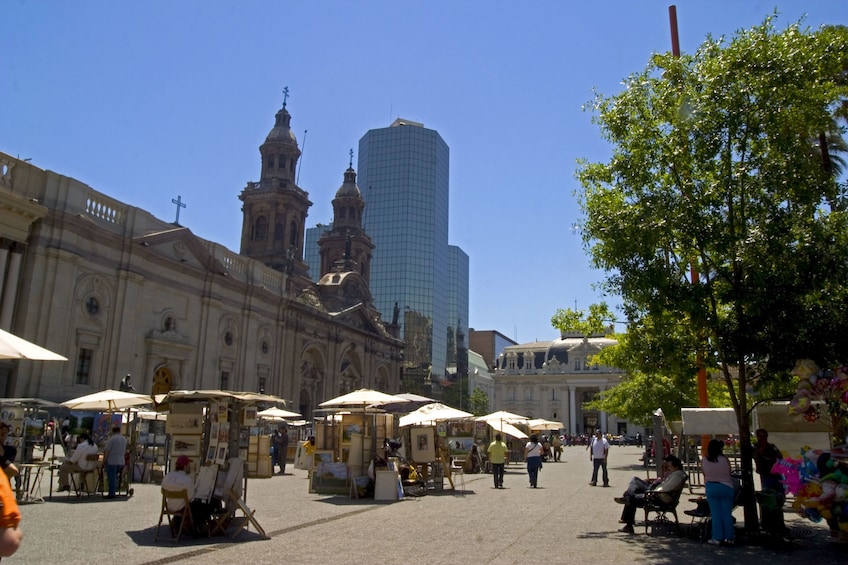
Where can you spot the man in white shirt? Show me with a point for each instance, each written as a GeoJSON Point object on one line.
{"type": "Point", "coordinates": [599, 449]}
{"type": "Point", "coordinates": [177, 480]}
{"type": "Point", "coordinates": [78, 461]}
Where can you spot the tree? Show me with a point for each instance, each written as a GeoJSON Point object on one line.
{"type": "Point", "coordinates": [478, 402]}
{"type": "Point", "coordinates": [711, 174]}
{"type": "Point", "coordinates": [597, 321]}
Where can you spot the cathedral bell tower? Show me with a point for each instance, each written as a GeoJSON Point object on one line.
{"type": "Point", "coordinates": [275, 208]}
{"type": "Point", "coordinates": [347, 247]}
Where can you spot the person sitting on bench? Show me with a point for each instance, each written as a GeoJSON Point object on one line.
{"type": "Point", "coordinates": [674, 477]}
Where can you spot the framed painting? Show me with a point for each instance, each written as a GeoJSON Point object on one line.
{"type": "Point", "coordinates": [184, 424]}
{"type": "Point", "coordinates": [248, 416]}
{"type": "Point", "coordinates": [423, 444]}
{"type": "Point", "coordinates": [185, 445]}
{"type": "Point", "coordinates": [221, 456]}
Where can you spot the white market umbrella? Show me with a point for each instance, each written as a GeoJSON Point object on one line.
{"type": "Point", "coordinates": [13, 347]}
{"type": "Point", "coordinates": [434, 412]}
{"type": "Point", "coordinates": [412, 397]}
{"type": "Point", "coordinates": [506, 428]}
{"type": "Point", "coordinates": [504, 416]}
{"type": "Point", "coordinates": [108, 400]}
{"type": "Point", "coordinates": [542, 424]}
{"type": "Point", "coordinates": [363, 397]}
{"type": "Point", "coordinates": [277, 413]}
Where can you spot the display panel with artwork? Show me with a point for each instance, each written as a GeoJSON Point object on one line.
{"type": "Point", "coordinates": [423, 444]}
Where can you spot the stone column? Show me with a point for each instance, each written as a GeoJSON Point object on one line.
{"type": "Point", "coordinates": [10, 291]}
{"type": "Point", "coordinates": [572, 410]}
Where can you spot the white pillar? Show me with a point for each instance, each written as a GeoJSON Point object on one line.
{"type": "Point", "coordinates": [10, 291]}
{"type": "Point", "coordinates": [4, 257]}
{"type": "Point", "coordinates": [572, 410]}
{"type": "Point", "coordinates": [602, 416]}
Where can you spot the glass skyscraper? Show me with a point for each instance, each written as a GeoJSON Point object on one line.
{"type": "Point", "coordinates": [403, 174]}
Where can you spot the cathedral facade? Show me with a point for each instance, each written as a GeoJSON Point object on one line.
{"type": "Point", "coordinates": [120, 292]}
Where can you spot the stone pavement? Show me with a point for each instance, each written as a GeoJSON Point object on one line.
{"type": "Point", "coordinates": [563, 521]}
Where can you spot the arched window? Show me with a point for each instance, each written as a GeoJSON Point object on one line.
{"type": "Point", "coordinates": [270, 161]}
{"type": "Point", "coordinates": [281, 162]}
{"type": "Point", "coordinates": [278, 232]}
{"type": "Point", "coordinates": [260, 232]}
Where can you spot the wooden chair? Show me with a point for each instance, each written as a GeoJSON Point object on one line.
{"type": "Point", "coordinates": [662, 504]}
{"type": "Point", "coordinates": [184, 514]}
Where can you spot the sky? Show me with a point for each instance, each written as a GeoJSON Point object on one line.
{"type": "Point", "coordinates": [150, 101]}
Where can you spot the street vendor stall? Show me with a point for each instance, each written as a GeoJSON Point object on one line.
{"type": "Point", "coordinates": [109, 404]}
{"type": "Point", "coordinates": [426, 441]}
{"type": "Point", "coordinates": [505, 423]}
{"type": "Point", "coordinates": [217, 430]}
{"type": "Point", "coordinates": [29, 439]}
{"type": "Point", "coordinates": [347, 449]}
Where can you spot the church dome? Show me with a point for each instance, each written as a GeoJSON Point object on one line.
{"type": "Point", "coordinates": [281, 132]}
{"type": "Point", "coordinates": [349, 187]}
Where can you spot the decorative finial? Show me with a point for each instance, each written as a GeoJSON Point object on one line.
{"type": "Point", "coordinates": [285, 95]}
{"type": "Point", "coordinates": [351, 158]}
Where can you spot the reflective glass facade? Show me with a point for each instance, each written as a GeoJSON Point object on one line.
{"type": "Point", "coordinates": [403, 174]}
{"type": "Point", "coordinates": [311, 251]}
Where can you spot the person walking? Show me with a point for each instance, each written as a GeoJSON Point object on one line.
{"type": "Point", "coordinates": [533, 456]}
{"type": "Point", "coordinates": [598, 451]}
{"type": "Point", "coordinates": [497, 451]}
{"type": "Point", "coordinates": [281, 447]}
{"type": "Point", "coordinates": [114, 456]}
{"type": "Point", "coordinates": [556, 442]}
{"type": "Point", "coordinates": [718, 485]}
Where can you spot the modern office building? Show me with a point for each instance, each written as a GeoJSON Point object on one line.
{"type": "Point", "coordinates": [311, 251]}
{"type": "Point", "coordinates": [415, 274]}
{"type": "Point", "coordinates": [488, 343]}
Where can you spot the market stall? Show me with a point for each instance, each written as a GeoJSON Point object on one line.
{"type": "Point", "coordinates": [507, 424]}
{"type": "Point", "coordinates": [427, 442]}
{"type": "Point", "coordinates": [109, 405]}
{"type": "Point", "coordinates": [347, 448]}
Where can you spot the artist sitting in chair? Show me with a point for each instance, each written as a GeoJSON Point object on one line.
{"type": "Point", "coordinates": [179, 479]}
{"type": "Point", "coordinates": [78, 462]}
{"type": "Point", "coordinates": [674, 479]}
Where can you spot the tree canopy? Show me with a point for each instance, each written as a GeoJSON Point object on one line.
{"type": "Point", "coordinates": [716, 176]}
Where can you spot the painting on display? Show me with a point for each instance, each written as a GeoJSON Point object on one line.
{"type": "Point", "coordinates": [423, 444]}
{"type": "Point", "coordinates": [185, 445]}
{"type": "Point", "coordinates": [103, 424]}
{"type": "Point", "coordinates": [184, 424]}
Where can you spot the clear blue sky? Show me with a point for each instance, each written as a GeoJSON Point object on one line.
{"type": "Point", "coordinates": [147, 101]}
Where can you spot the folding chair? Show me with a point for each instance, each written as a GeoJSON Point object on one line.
{"type": "Point", "coordinates": [82, 487]}
{"type": "Point", "coordinates": [458, 468]}
{"type": "Point", "coordinates": [184, 514]}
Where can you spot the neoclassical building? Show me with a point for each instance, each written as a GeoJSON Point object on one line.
{"type": "Point", "coordinates": [554, 379]}
{"type": "Point", "coordinates": [118, 291]}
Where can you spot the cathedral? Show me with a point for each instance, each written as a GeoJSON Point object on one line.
{"type": "Point", "coordinates": [120, 292]}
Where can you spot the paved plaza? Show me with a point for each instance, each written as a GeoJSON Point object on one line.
{"type": "Point", "coordinates": [563, 521]}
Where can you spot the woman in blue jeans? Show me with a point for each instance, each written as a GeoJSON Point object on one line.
{"type": "Point", "coordinates": [533, 456]}
{"type": "Point", "coordinates": [719, 489]}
